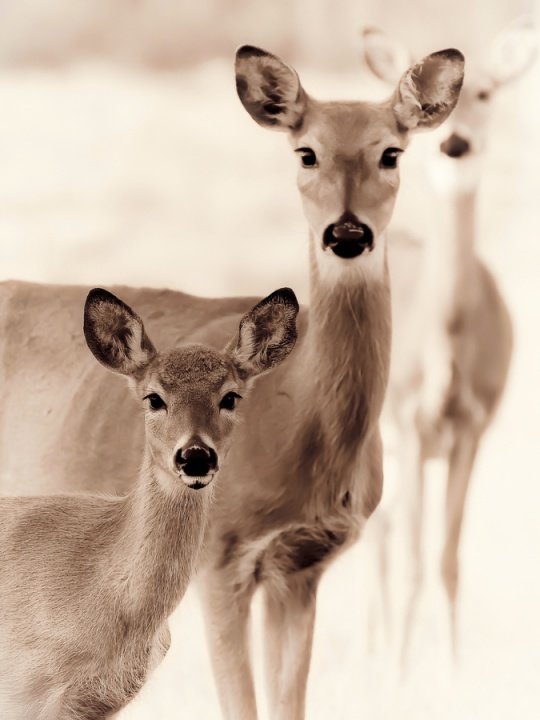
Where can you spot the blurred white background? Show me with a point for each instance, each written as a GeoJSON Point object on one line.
{"type": "Point", "coordinates": [126, 157]}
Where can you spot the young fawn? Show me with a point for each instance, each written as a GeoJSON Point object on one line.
{"type": "Point", "coordinates": [88, 582]}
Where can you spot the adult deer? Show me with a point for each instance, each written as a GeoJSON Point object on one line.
{"type": "Point", "coordinates": [87, 582]}
{"type": "Point", "coordinates": [453, 337]}
{"type": "Point", "coordinates": [306, 470]}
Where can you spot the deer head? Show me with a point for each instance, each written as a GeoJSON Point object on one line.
{"type": "Point", "coordinates": [348, 152]}
{"type": "Point", "coordinates": [191, 395]}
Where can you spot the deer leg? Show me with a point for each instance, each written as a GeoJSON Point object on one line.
{"type": "Point", "coordinates": [376, 539]}
{"type": "Point", "coordinates": [383, 572]}
{"type": "Point", "coordinates": [289, 623]}
{"type": "Point", "coordinates": [459, 472]}
{"type": "Point", "coordinates": [226, 608]}
{"type": "Point", "coordinates": [412, 467]}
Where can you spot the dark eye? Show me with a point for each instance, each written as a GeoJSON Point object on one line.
{"type": "Point", "coordinates": [156, 403]}
{"type": "Point", "coordinates": [389, 158]}
{"type": "Point", "coordinates": [307, 157]}
{"type": "Point", "coordinates": [483, 95]}
{"type": "Point", "coordinates": [228, 401]}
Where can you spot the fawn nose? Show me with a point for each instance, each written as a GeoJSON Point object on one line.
{"type": "Point", "coordinates": [348, 237]}
{"type": "Point", "coordinates": [197, 463]}
{"type": "Point", "coordinates": [455, 146]}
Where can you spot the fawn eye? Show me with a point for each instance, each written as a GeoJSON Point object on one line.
{"type": "Point", "coordinates": [389, 158]}
{"type": "Point", "coordinates": [228, 401]}
{"type": "Point", "coordinates": [307, 157]}
{"type": "Point", "coordinates": [483, 95]}
{"type": "Point", "coordinates": [156, 403]}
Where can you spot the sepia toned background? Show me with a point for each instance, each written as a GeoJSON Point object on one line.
{"type": "Point", "coordinates": [126, 157]}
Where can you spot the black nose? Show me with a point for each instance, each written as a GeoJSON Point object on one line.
{"type": "Point", "coordinates": [455, 146]}
{"type": "Point", "coordinates": [196, 459]}
{"type": "Point", "coordinates": [348, 237]}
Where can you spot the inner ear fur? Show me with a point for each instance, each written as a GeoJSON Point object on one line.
{"type": "Point", "coordinates": [115, 334]}
{"type": "Point", "coordinates": [429, 90]}
{"type": "Point", "coordinates": [269, 89]}
{"type": "Point", "coordinates": [267, 333]}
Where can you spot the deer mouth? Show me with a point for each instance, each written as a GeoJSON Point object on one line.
{"type": "Point", "coordinates": [348, 238]}
{"type": "Point", "coordinates": [194, 482]}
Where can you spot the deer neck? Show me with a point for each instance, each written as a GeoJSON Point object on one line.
{"type": "Point", "coordinates": [160, 537]}
{"type": "Point", "coordinates": [450, 255]}
{"type": "Point", "coordinates": [342, 371]}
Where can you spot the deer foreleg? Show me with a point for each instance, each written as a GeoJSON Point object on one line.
{"type": "Point", "coordinates": [289, 623]}
{"type": "Point", "coordinates": [459, 473]}
{"type": "Point", "coordinates": [226, 607]}
{"type": "Point", "coordinates": [412, 469]}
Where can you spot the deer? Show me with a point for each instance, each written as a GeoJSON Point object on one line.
{"type": "Point", "coordinates": [88, 581]}
{"type": "Point", "coordinates": [452, 332]}
{"type": "Point", "coordinates": [305, 472]}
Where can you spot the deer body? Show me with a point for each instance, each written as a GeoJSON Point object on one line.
{"type": "Point", "coordinates": [87, 582]}
{"type": "Point", "coordinates": [98, 589]}
{"type": "Point", "coordinates": [450, 371]}
{"type": "Point", "coordinates": [305, 471]}
{"type": "Point", "coordinates": [453, 333]}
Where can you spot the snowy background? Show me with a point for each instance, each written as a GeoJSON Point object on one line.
{"type": "Point", "coordinates": [126, 157]}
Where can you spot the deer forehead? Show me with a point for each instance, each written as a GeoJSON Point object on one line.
{"type": "Point", "coordinates": [349, 129]}
{"type": "Point", "coordinates": [191, 370]}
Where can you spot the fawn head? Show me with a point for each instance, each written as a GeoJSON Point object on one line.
{"type": "Point", "coordinates": [348, 152]}
{"type": "Point", "coordinates": [191, 395]}
{"type": "Point", "coordinates": [462, 140]}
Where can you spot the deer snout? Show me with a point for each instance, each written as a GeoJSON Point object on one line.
{"type": "Point", "coordinates": [348, 237]}
{"type": "Point", "coordinates": [455, 146]}
{"type": "Point", "coordinates": [197, 463]}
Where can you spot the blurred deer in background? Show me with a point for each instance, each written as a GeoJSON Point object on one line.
{"type": "Point", "coordinates": [306, 469]}
{"type": "Point", "coordinates": [452, 339]}
{"type": "Point", "coordinates": [87, 582]}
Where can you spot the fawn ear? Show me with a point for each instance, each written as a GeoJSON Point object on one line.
{"type": "Point", "coordinates": [115, 334]}
{"type": "Point", "coordinates": [269, 89]}
{"type": "Point", "coordinates": [429, 90]}
{"type": "Point", "coordinates": [267, 333]}
{"type": "Point", "coordinates": [386, 59]}
{"type": "Point", "coordinates": [513, 51]}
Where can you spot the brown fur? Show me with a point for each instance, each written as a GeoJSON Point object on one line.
{"type": "Point", "coordinates": [87, 582]}
{"type": "Point", "coordinates": [306, 470]}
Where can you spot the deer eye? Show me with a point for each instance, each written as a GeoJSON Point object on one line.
{"type": "Point", "coordinates": [389, 158]}
{"type": "Point", "coordinates": [156, 403]}
{"type": "Point", "coordinates": [228, 401]}
{"type": "Point", "coordinates": [483, 95]}
{"type": "Point", "coordinates": [307, 157]}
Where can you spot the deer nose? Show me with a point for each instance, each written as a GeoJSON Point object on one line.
{"type": "Point", "coordinates": [455, 146]}
{"type": "Point", "coordinates": [197, 463]}
{"type": "Point", "coordinates": [348, 237]}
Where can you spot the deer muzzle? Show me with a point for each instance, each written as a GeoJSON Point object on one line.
{"type": "Point", "coordinates": [348, 237]}
{"type": "Point", "coordinates": [197, 463]}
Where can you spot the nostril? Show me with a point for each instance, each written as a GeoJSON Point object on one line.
{"type": "Point", "coordinates": [212, 459]}
{"type": "Point", "coordinates": [178, 459]}
{"type": "Point", "coordinates": [455, 146]}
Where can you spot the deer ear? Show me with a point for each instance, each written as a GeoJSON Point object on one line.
{"type": "Point", "coordinates": [513, 51]}
{"type": "Point", "coordinates": [115, 334]}
{"type": "Point", "coordinates": [386, 59]}
{"type": "Point", "coordinates": [429, 90]}
{"type": "Point", "coordinates": [267, 333]}
{"type": "Point", "coordinates": [269, 89]}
